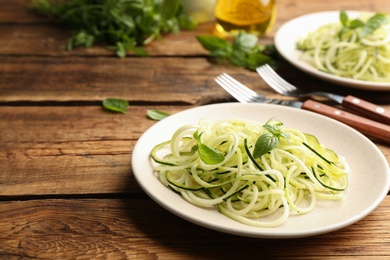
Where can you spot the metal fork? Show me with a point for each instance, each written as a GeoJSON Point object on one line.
{"type": "Point", "coordinates": [245, 95]}
{"type": "Point", "coordinates": [358, 105]}
{"type": "Point", "coordinates": [281, 86]}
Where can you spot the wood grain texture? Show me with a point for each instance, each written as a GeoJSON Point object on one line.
{"type": "Point", "coordinates": [66, 186]}
{"type": "Point", "coordinates": [69, 150]}
{"type": "Point", "coordinates": [137, 79]}
{"type": "Point", "coordinates": [126, 229]}
{"type": "Point", "coordinates": [151, 80]}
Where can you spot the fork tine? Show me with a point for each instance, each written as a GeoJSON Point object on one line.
{"type": "Point", "coordinates": [269, 78]}
{"type": "Point", "coordinates": [274, 80]}
{"type": "Point", "coordinates": [241, 87]}
{"type": "Point", "coordinates": [225, 83]}
{"type": "Point", "coordinates": [239, 91]}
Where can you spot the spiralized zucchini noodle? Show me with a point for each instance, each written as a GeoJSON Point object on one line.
{"type": "Point", "coordinates": [357, 49]}
{"type": "Point", "coordinates": [262, 191]}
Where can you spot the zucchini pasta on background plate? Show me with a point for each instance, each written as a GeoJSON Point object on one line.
{"type": "Point", "coordinates": [349, 48]}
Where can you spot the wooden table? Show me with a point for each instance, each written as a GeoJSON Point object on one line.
{"type": "Point", "coordinates": [66, 183]}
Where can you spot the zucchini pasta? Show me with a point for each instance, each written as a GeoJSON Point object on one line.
{"type": "Point", "coordinates": [357, 49]}
{"type": "Point", "coordinates": [255, 174]}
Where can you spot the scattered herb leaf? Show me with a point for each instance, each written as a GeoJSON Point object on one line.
{"type": "Point", "coordinates": [156, 114]}
{"type": "Point", "coordinates": [244, 51]}
{"type": "Point", "coordinates": [116, 105]}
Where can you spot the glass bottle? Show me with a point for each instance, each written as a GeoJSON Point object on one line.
{"type": "Point", "coordinates": [252, 16]}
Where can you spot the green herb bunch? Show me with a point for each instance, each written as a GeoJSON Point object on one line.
{"type": "Point", "coordinates": [125, 25]}
{"type": "Point", "coordinates": [244, 51]}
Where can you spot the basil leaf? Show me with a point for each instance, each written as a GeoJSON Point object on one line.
{"type": "Point", "coordinates": [245, 42]}
{"type": "Point", "coordinates": [273, 129]}
{"type": "Point", "coordinates": [194, 149]}
{"type": "Point", "coordinates": [197, 136]}
{"type": "Point", "coordinates": [243, 52]}
{"type": "Point", "coordinates": [121, 52]}
{"type": "Point", "coordinates": [237, 59]}
{"type": "Point", "coordinates": [169, 9]}
{"type": "Point", "coordinates": [374, 23]}
{"type": "Point", "coordinates": [347, 24]}
{"type": "Point", "coordinates": [257, 59]}
{"type": "Point", "coordinates": [355, 24]}
{"type": "Point", "coordinates": [116, 105]}
{"type": "Point", "coordinates": [186, 22]}
{"type": "Point", "coordinates": [156, 114]}
{"type": "Point", "coordinates": [208, 155]}
{"type": "Point", "coordinates": [343, 18]}
{"type": "Point", "coordinates": [212, 43]}
{"type": "Point", "coordinates": [264, 144]}
{"type": "Point", "coordinates": [221, 54]}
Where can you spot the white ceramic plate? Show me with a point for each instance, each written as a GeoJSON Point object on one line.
{"type": "Point", "coordinates": [288, 34]}
{"type": "Point", "coordinates": [369, 181]}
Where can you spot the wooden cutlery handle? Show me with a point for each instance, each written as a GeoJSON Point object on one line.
{"type": "Point", "coordinates": [368, 109]}
{"type": "Point", "coordinates": [365, 126]}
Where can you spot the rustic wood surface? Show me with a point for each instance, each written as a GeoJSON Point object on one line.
{"type": "Point", "coordinates": [66, 186]}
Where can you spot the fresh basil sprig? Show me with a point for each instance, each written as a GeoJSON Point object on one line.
{"type": "Point", "coordinates": [116, 105]}
{"type": "Point", "coordinates": [349, 24]}
{"type": "Point", "coordinates": [122, 25]}
{"type": "Point", "coordinates": [207, 154]}
{"type": "Point", "coordinates": [373, 23]}
{"type": "Point", "coordinates": [268, 141]}
{"type": "Point", "coordinates": [244, 51]}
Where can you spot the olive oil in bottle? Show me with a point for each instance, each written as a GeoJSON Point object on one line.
{"type": "Point", "coordinates": [251, 16]}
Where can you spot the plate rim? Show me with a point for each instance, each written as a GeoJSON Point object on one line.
{"type": "Point", "coordinates": [290, 54]}
{"type": "Point", "coordinates": [257, 233]}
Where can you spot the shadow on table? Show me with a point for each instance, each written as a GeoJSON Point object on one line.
{"type": "Point", "coordinates": [169, 234]}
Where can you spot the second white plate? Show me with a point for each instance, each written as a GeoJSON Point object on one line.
{"type": "Point", "coordinates": [286, 38]}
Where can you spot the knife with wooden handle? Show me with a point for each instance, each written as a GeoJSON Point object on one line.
{"type": "Point", "coordinates": [366, 126]}
{"type": "Point", "coordinates": [367, 109]}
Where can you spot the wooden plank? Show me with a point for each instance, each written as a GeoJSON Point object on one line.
{"type": "Point", "coordinates": [182, 80]}
{"type": "Point", "coordinates": [17, 11]}
{"type": "Point", "coordinates": [69, 150]}
{"type": "Point", "coordinates": [126, 229]}
{"type": "Point", "coordinates": [50, 39]}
